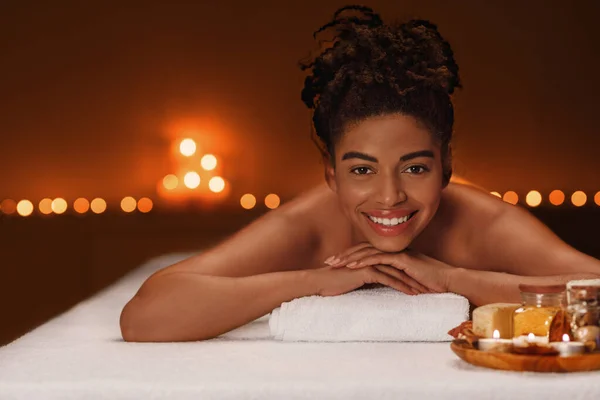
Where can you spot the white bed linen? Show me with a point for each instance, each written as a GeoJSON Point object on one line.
{"type": "Point", "coordinates": [80, 355]}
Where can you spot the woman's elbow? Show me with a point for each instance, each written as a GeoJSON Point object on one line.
{"type": "Point", "coordinates": [130, 321]}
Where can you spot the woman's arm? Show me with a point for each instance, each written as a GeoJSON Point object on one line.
{"type": "Point", "coordinates": [485, 287]}
{"type": "Point", "coordinates": [241, 279]}
{"type": "Point", "coordinates": [186, 306]}
{"type": "Point", "coordinates": [515, 247]}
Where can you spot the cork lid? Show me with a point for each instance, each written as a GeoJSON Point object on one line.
{"type": "Point", "coordinates": [542, 289]}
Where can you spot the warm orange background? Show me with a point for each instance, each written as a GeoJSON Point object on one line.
{"type": "Point", "coordinates": [93, 96]}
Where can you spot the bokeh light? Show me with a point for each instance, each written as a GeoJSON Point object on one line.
{"type": "Point", "coordinates": [578, 198]}
{"type": "Point", "coordinates": [98, 205]}
{"type": "Point", "coordinates": [24, 208]}
{"type": "Point", "coordinates": [216, 184]}
{"type": "Point", "coordinates": [170, 182]}
{"type": "Point", "coordinates": [187, 147]}
{"type": "Point", "coordinates": [272, 201]}
{"type": "Point", "coordinates": [191, 180]}
{"type": "Point", "coordinates": [557, 197]}
{"type": "Point", "coordinates": [208, 162]}
{"type": "Point", "coordinates": [45, 206]}
{"type": "Point", "coordinates": [144, 205]}
{"type": "Point", "coordinates": [597, 199]}
{"type": "Point", "coordinates": [248, 201]}
{"type": "Point", "coordinates": [8, 206]}
{"type": "Point", "coordinates": [81, 205]}
{"type": "Point", "coordinates": [511, 197]}
{"type": "Point", "coordinates": [128, 204]}
{"type": "Point", "coordinates": [533, 198]}
{"type": "Point", "coordinates": [59, 205]}
{"type": "Point", "coordinates": [496, 194]}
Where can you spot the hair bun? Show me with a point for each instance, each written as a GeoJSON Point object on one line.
{"type": "Point", "coordinates": [428, 57]}
{"type": "Point", "coordinates": [364, 50]}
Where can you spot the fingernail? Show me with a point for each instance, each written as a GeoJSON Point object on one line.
{"type": "Point", "coordinates": [329, 260]}
{"type": "Point", "coordinates": [352, 264]}
{"type": "Point", "coordinates": [334, 261]}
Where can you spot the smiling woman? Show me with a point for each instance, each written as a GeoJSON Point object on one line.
{"type": "Point", "coordinates": [383, 117]}
{"type": "Point", "coordinates": [379, 156]}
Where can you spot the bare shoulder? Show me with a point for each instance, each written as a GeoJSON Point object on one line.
{"type": "Point", "coordinates": [474, 202]}
{"type": "Point", "coordinates": [283, 239]}
{"type": "Point", "coordinates": [464, 214]}
{"type": "Point", "coordinates": [499, 236]}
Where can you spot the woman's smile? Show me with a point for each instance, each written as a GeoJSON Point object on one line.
{"type": "Point", "coordinates": [392, 225]}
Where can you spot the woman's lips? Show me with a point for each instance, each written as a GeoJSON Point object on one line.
{"type": "Point", "coordinates": [388, 231]}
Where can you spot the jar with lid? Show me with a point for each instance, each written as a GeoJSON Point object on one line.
{"type": "Point", "coordinates": [539, 305]}
{"type": "Point", "coordinates": [583, 312]}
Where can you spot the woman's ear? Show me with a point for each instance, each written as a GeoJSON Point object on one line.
{"type": "Point", "coordinates": [328, 163]}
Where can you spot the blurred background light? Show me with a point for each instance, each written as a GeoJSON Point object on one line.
{"type": "Point", "coordinates": [272, 201]}
{"type": "Point", "coordinates": [187, 147]}
{"type": "Point", "coordinates": [59, 205]}
{"type": "Point", "coordinates": [191, 180]}
{"type": "Point", "coordinates": [248, 201]}
{"type": "Point", "coordinates": [98, 205]}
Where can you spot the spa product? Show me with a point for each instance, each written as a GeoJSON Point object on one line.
{"type": "Point", "coordinates": [567, 348]}
{"type": "Point", "coordinates": [583, 311]}
{"type": "Point", "coordinates": [539, 306]}
{"type": "Point", "coordinates": [495, 343]}
{"type": "Point", "coordinates": [492, 317]}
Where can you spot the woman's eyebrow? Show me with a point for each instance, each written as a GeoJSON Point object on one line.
{"type": "Point", "coordinates": [362, 156]}
{"type": "Point", "coordinates": [417, 154]}
{"type": "Point", "coordinates": [406, 157]}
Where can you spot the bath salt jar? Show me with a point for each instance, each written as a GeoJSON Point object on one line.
{"type": "Point", "coordinates": [539, 305]}
{"type": "Point", "coordinates": [583, 312]}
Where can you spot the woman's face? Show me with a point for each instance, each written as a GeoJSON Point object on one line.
{"type": "Point", "coordinates": [388, 178]}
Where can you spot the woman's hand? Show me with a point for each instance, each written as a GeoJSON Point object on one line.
{"type": "Point", "coordinates": [333, 281]}
{"type": "Point", "coordinates": [420, 272]}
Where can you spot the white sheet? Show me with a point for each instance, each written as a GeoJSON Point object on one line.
{"type": "Point", "coordinates": [79, 355]}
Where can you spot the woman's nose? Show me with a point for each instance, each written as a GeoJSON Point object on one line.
{"type": "Point", "coordinates": [391, 192]}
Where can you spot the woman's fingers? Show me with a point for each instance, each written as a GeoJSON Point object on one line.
{"type": "Point", "coordinates": [335, 259]}
{"type": "Point", "coordinates": [377, 276]}
{"type": "Point", "coordinates": [402, 276]}
{"type": "Point", "coordinates": [356, 256]}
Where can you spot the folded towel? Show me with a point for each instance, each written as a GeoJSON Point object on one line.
{"type": "Point", "coordinates": [373, 314]}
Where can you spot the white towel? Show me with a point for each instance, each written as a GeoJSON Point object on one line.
{"type": "Point", "coordinates": [375, 314]}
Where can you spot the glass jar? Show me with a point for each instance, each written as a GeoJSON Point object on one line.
{"type": "Point", "coordinates": [539, 306]}
{"type": "Point", "coordinates": [583, 313]}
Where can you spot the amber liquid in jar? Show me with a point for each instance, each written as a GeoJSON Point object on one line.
{"type": "Point", "coordinates": [539, 306]}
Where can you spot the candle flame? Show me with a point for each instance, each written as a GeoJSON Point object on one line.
{"type": "Point", "coordinates": [566, 338]}
{"type": "Point", "coordinates": [496, 334]}
{"type": "Point", "coordinates": [530, 337]}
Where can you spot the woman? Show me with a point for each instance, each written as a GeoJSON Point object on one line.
{"type": "Point", "coordinates": [387, 213]}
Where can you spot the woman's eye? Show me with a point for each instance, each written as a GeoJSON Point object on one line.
{"type": "Point", "coordinates": [360, 171]}
{"type": "Point", "coordinates": [417, 169]}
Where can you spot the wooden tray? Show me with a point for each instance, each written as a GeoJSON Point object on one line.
{"type": "Point", "coordinates": [519, 362]}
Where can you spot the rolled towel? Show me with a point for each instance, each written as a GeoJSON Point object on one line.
{"type": "Point", "coordinates": [375, 314]}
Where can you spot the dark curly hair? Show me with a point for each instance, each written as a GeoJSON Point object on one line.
{"type": "Point", "coordinates": [370, 69]}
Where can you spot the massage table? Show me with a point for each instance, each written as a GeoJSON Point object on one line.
{"type": "Point", "coordinates": [81, 355]}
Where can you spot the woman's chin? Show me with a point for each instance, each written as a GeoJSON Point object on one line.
{"type": "Point", "coordinates": [389, 245]}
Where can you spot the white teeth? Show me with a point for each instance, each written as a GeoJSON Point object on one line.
{"type": "Point", "coordinates": [388, 221]}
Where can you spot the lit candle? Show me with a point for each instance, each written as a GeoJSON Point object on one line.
{"type": "Point", "coordinates": [495, 343]}
{"type": "Point", "coordinates": [529, 340]}
{"type": "Point", "coordinates": [567, 348]}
